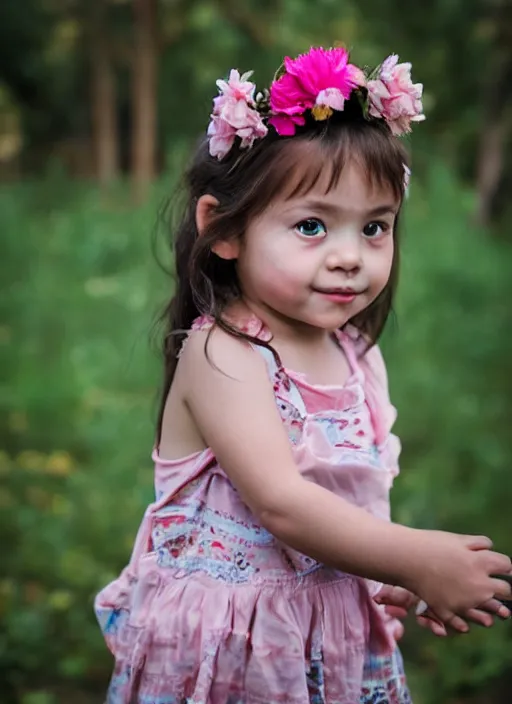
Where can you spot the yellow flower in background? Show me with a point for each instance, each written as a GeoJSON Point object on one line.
{"type": "Point", "coordinates": [60, 600]}
{"type": "Point", "coordinates": [59, 464]}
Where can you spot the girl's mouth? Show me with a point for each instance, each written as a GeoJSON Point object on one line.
{"type": "Point", "coordinates": [338, 295]}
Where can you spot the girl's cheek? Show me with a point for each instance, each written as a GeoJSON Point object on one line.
{"type": "Point", "coordinates": [276, 265]}
{"type": "Point", "coordinates": [282, 278]}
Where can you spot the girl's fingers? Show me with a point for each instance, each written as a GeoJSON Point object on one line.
{"type": "Point", "coordinates": [477, 542]}
{"type": "Point", "coordinates": [456, 623]}
{"type": "Point", "coordinates": [436, 627]}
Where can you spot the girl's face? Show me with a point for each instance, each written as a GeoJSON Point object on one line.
{"type": "Point", "coordinates": [320, 259]}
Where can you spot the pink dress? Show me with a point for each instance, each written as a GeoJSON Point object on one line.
{"type": "Point", "coordinates": [212, 609]}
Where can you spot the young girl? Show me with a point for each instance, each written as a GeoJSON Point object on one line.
{"type": "Point", "coordinates": [258, 575]}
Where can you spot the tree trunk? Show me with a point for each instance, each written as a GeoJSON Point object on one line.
{"type": "Point", "coordinates": [144, 97]}
{"type": "Point", "coordinates": [103, 97]}
{"type": "Point", "coordinates": [497, 98]}
{"type": "Point", "coordinates": [490, 167]}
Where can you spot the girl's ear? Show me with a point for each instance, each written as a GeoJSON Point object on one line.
{"type": "Point", "coordinates": [205, 210]}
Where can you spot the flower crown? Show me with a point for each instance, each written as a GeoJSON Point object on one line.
{"type": "Point", "coordinates": [319, 82]}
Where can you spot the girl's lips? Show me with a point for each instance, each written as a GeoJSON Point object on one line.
{"type": "Point", "coordinates": [338, 295]}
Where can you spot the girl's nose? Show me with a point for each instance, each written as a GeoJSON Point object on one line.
{"type": "Point", "coordinates": [346, 256]}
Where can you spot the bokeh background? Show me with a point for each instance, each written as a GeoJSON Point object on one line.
{"type": "Point", "coordinates": [100, 102]}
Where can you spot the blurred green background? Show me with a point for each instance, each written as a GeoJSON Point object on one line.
{"type": "Point", "coordinates": [100, 102]}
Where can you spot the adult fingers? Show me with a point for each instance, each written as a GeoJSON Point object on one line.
{"type": "Point", "coordinates": [502, 588]}
{"type": "Point", "coordinates": [396, 612]}
{"type": "Point", "coordinates": [398, 631]}
{"type": "Point", "coordinates": [493, 606]}
{"type": "Point", "coordinates": [396, 596]}
{"type": "Point", "coordinates": [482, 618]}
{"type": "Point", "coordinates": [457, 624]}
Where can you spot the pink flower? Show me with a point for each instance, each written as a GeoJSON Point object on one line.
{"type": "Point", "coordinates": [394, 97]}
{"type": "Point", "coordinates": [234, 115]}
{"type": "Point", "coordinates": [237, 87]}
{"type": "Point", "coordinates": [320, 80]}
{"type": "Point", "coordinates": [331, 98]}
{"type": "Point", "coordinates": [222, 137]}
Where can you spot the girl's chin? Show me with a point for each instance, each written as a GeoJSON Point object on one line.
{"type": "Point", "coordinates": [329, 322]}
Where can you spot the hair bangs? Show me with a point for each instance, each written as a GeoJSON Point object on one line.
{"type": "Point", "coordinates": [314, 163]}
{"type": "Point", "coordinates": [383, 160]}
{"type": "Point", "coordinates": [300, 166]}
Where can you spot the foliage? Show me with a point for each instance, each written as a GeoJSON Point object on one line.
{"type": "Point", "coordinates": [77, 416]}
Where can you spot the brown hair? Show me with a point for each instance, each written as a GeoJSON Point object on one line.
{"type": "Point", "coordinates": [245, 182]}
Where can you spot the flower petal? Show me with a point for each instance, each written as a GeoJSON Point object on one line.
{"type": "Point", "coordinates": [285, 125]}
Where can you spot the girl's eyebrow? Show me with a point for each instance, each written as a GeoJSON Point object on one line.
{"type": "Point", "coordinates": [336, 210]}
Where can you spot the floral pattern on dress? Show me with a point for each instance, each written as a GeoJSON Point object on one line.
{"type": "Point", "coordinates": [195, 538]}
{"type": "Point", "coordinates": [384, 680]}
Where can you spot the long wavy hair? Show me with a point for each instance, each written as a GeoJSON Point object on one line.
{"type": "Point", "coordinates": [245, 182]}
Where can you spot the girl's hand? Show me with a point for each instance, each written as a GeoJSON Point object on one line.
{"type": "Point", "coordinates": [453, 575]}
{"type": "Point", "coordinates": [399, 601]}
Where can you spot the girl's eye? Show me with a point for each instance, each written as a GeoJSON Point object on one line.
{"type": "Point", "coordinates": [311, 228]}
{"type": "Point", "coordinates": [375, 229]}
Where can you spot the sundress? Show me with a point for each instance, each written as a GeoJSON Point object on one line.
{"type": "Point", "coordinates": [213, 609]}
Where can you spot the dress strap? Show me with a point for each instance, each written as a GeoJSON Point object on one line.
{"type": "Point", "coordinates": [278, 374]}
{"type": "Point", "coordinates": [348, 345]}
{"type": "Point", "coordinates": [370, 364]}
{"type": "Point", "coordinates": [204, 322]}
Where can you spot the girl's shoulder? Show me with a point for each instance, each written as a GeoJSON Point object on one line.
{"type": "Point", "coordinates": [247, 324]}
{"type": "Point", "coordinates": [209, 347]}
